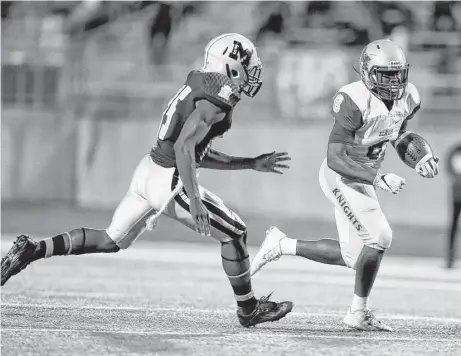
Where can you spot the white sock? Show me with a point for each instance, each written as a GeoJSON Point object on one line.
{"type": "Point", "coordinates": [288, 246]}
{"type": "Point", "coordinates": [359, 303]}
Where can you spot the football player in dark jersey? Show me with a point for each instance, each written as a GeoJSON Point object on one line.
{"type": "Point", "coordinates": [198, 113]}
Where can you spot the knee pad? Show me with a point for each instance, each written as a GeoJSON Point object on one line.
{"type": "Point", "coordinates": [236, 261]}
{"type": "Point", "coordinates": [385, 238]}
{"type": "Point", "coordinates": [235, 249]}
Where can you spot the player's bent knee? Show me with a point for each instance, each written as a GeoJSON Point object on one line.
{"type": "Point", "coordinates": [230, 234]}
{"type": "Point", "coordinates": [385, 238]}
{"type": "Point", "coordinates": [381, 240]}
{"type": "Point", "coordinates": [115, 240]}
{"type": "Point", "coordinates": [108, 244]}
{"type": "Point", "coordinates": [348, 259]}
{"type": "Point", "coordinates": [235, 247]}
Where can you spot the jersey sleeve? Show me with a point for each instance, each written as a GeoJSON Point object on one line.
{"type": "Point", "coordinates": [348, 119]}
{"type": "Point", "coordinates": [221, 91]}
{"type": "Point", "coordinates": [413, 100]}
{"type": "Point", "coordinates": [339, 134]}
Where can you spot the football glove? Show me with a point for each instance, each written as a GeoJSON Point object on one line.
{"type": "Point", "coordinates": [389, 182]}
{"type": "Point", "coordinates": [428, 168]}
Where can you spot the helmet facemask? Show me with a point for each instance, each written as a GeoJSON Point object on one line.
{"type": "Point", "coordinates": [253, 81]}
{"type": "Point", "coordinates": [387, 82]}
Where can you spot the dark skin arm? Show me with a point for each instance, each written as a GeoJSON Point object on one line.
{"type": "Point", "coordinates": [267, 162]}
{"type": "Point", "coordinates": [218, 160]}
{"type": "Point", "coordinates": [193, 132]}
{"type": "Point", "coordinates": [341, 163]}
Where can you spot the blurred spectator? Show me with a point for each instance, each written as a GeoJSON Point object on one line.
{"type": "Point", "coordinates": [442, 16]}
{"type": "Point", "coordinates": [6, 5]}
{"type": "Point", "coordinates": [392, 14]}
{"type": "Point", "coordinates": [359, 21]}
{"type": "Point", "coordinates": [454, 170]}
{"type": "Point", "coordinates": [159, 32]}
{"type": "Point", "coordinates": [352, 35]}
{"type": "Point", "coordinates": [355, 20]}
{"type": "Point", "coordinates": [85, 16]}
{"type": "Point", "coordinates": [165, 20]}
{"type": "Point", "coordinates": [319, 15]}
{"type": "Point", "coordinates": [275, 18]}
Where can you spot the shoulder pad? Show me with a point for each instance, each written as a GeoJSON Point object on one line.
{"type": "Point", "coordinates": [221, 90]}
{"type": "Point", "coordinates": [345, 111]}
{"type": "Point", "coordinates": [413, 97]}
{"type": "Point", "coordinates": [357, 92]}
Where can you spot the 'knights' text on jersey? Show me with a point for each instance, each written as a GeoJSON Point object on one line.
{"type": "Point", "coordinates": [214, 87]}
{"type": "Point", "coordinates": [365, 123]}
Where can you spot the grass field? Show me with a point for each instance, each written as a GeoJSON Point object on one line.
{"type": "Point", "coordinates": [172, 298]}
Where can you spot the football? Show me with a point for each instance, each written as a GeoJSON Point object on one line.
{"type": "Point", "coordinates": [412, 148]}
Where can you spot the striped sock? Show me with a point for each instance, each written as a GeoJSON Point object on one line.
{"type": "Point", "coordinates": [236, 264]}
{"type": "Point", "coordinates": [241, 283]}
{"type": "Point", "coordinates": [53, 246]}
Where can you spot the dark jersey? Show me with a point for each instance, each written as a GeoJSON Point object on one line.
{"type": "Point", "coordinates": [214, 87]}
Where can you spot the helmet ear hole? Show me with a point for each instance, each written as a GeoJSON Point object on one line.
{"type": "Point", "coordinates": [231, 73]}
{"type": "Point", "coordinates": [228, 71]}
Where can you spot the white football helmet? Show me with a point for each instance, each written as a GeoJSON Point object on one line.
{"type": "Point", "coordinates": [235, 56]}
{"type": "Point", "coordinates": [384, 69]}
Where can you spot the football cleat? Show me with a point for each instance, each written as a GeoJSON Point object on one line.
{"type": "Point", "coordinates": [269, 251]}
{"type": "Point", "coordinates": [365, 320]}
{"type": "Point", "coordinates": [18, 257]}
{"type": "Point", "coordinates": [264, 311]}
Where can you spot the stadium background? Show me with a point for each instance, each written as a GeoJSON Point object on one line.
{"type": "Point", "coordinates": [84, 85]}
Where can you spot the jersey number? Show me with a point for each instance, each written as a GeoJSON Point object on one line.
{"type": "Point", "coordinates": [375, 150]}
{"type": "Point", "coordinates": [170, 110]}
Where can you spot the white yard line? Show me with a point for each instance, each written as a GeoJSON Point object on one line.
{"type": "Point", "coordinates": [252, 334]}
{"type": "Point", "coordinates": [216, 311]}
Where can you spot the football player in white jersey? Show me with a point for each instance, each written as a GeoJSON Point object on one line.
{"type": "Point", "coordinates": [368, 114]}
{"type": "Point", "coordinates": [198, 113]}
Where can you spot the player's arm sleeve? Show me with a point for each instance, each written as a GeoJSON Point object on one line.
{"type": "Point", "coordinates": [221, 91]}
{"type": "Point", "coordinates": [348, 118]}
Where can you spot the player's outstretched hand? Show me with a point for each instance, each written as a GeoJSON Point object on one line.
{"type": "Point", "coordinates": [200, 215]}
{"type": "Point", "coordinates": [429, 168]}
{"type": "Point", "coordinates": [269, 162]}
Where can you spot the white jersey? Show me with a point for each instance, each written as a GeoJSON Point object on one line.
{"type": "Point", "coordinates": [358, 111]}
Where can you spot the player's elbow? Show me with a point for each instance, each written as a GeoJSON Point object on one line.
{"type": "Point", "coordinates": [331, 161]}
{"type": "Point", "coordinates": [334, 158]}
{"type": "Point", "coordinates": [335, 165]}
{"type": "Point", "coordinates": [182, 149]}
{"type": "Point", "coordinates": [178, 147]}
